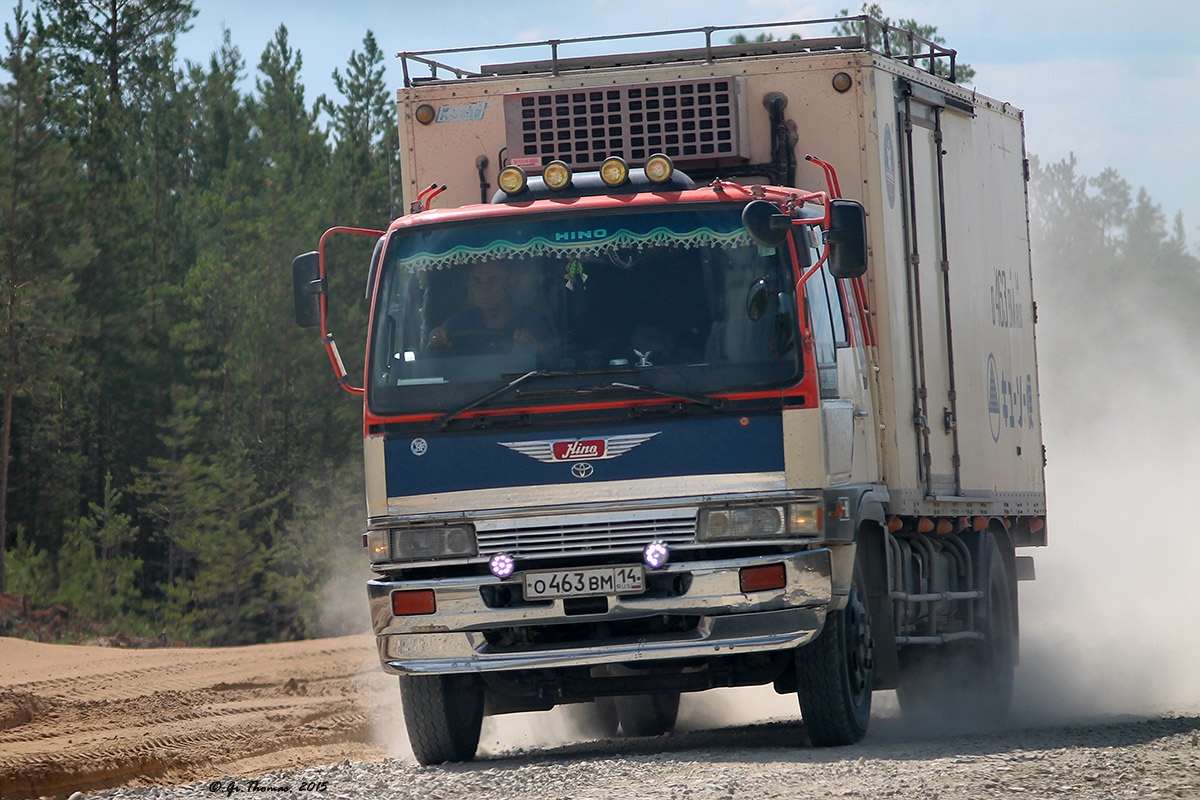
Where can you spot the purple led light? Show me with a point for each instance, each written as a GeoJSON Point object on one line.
{"type": "Point", "coordinates": [655, 555]}
{"type": "Point", "coordinates": [502, 565]}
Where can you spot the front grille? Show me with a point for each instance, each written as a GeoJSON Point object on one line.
{"type": "Point", "coordinates": [689, 120]}
{"type": "Point", "coordinates": [545, 536]}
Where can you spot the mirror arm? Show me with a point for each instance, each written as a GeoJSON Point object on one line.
{"type": "Point", "coordinates": [339, 368]}
{"type": "Point", "coordinates": [331, 349]}
{"type": "Point", "coordinates": [811, 270]}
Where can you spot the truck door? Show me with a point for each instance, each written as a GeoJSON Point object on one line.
{"type": "Point", "coordinates": [845, 401]}
{"type": "Point", "coordinates": [922, 173]}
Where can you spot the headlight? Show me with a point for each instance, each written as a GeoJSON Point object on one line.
{"type": "Point", "coordinates": [422, 544]}
{"type": "Point", "coordinates": [759, 522]}
{"type": "Point", "coordinates": [750, 522]}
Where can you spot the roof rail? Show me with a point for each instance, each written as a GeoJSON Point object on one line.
{"type": "Point", "coordinates": [872, 34]}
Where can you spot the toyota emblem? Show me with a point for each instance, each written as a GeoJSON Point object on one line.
{"type": "Point", "coordinates": [582, 470]}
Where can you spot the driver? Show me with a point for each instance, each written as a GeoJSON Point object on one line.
{"type": "Point", "coordinates": [492, 318]}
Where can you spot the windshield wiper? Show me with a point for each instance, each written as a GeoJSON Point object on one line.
{"type": "Point", "coordinates": [446, 418]}
{"type": "Point", "coordinates": [700, 399]}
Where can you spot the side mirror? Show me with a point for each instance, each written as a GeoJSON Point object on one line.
{"type": "Point", "coordinates": [847, 239]}
{"type": "Point", "coordinates": [756, 299]}
{"type": "Point", "coordinates": [764, 223]}
{"type": "Point", "coordinates": [307, 288]}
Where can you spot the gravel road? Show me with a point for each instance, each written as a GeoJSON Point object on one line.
{"type": "Point", "coordinates": [319, 719]}
{"type": "Point", "coordinates": [1130, 758]}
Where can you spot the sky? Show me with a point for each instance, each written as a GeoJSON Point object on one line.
{"type": "Point", "coordinates": [1115, 83]}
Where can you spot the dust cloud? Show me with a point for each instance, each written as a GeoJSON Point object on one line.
{"type": "Point", "coordinates": [1112, 623]}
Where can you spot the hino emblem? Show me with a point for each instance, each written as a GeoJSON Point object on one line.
{"type": "Point", "coordinates": [579, 450]}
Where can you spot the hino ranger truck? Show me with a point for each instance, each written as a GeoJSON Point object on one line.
{"type": "Point", "coordinates": [697, 367]}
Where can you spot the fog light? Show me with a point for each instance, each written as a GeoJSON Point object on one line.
{"type": "Point", "coordinates": [502, 565]}
{"type": "Point", "coordinates": [762, 579]}
{"type": "Point", "coordinates": [512, 180]}
{"type": "Point", "coordinates": [557, 175]}
{"type": "Point", "coordinates": [408, 604]}
{"type": "Point", "coordinates": [614, 171]}
{"type": "Point", "coordinates": [656, 554]}
{"type": "Point", "coordinates": [659, 168]}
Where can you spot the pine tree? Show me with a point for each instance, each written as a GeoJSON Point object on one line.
{"type": "Point", "coordinates": [40, 244]}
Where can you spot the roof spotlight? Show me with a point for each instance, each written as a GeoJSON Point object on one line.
{"type": "Point", "coordinates": [557, 175]}
{"type": "Point", "coordinates": [512, 180]}
{"type": "Point", "coordinates": [659, 168]}
{"type": "Point", "coordinates": [656, 554]}
{"type": "Point", "coordinates": [502, 565]}
{"type": "Point", "coordinates": [614, 171]}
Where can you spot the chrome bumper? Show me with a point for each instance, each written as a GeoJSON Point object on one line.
{"type": "Point", "coordinates": [453, 640]}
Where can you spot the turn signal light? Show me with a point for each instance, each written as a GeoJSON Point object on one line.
{"type": "Point", "coordinates": [761, 579]}
{"type": "Point", "coordinates": [412, 603]}
{"type": "Point", "coordinates": [614, 171]}
{"type": "Point", "coordinates": [557, 175]}
{"type": "Point", "coordinates": [512, 180]}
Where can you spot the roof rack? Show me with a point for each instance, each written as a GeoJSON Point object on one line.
{"type": "Point", "coordinates": [873, 35]}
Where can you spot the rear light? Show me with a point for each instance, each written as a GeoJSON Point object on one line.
{"type": "Point", "coordinates": [762, 579]}
{"type": "Point", "coordinates": [412, 603]}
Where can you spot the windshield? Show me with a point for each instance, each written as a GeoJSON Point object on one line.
{"type": "Point", "coordinates": [678, 300]}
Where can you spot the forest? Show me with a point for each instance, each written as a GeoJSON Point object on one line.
{"type": "Point", "coordinates": [176, 460]}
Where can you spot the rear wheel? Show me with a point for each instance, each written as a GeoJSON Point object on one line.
{"type": "Point", "coordinates": [648, 714]}
{"type": "Point", "coordinates": [968, 682]}
{"type": "Point", "coordinates": [835, 673]}
{"type": "Point", "coordinates": [443, 715]}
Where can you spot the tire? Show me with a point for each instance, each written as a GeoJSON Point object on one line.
{"type": "Point", "coordinates": [835, 674]}
{"type": "Point", "coordinates": [968, 683]}
{"type": "Point", "coordinates": [648, 714]}
{"type": "Point", "coordinates": [443, 715]}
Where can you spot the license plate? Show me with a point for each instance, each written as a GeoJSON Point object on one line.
{"type": "Point", "coordinates": [585, 582]}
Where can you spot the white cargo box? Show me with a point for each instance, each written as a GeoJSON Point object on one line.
{"type": "Point", "coordinates": [940, 169]}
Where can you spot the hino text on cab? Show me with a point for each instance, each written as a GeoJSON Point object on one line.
{"type": "Point", "coordinates": [731, 382]}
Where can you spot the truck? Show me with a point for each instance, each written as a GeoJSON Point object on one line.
{"type": "Point", "coordinates": [730, 381]}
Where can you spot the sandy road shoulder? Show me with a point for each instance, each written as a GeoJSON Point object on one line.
{"type": "Point", "coordinates": [88, 717]}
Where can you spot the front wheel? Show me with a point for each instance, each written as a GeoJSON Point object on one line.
{"type": "Point", "coordinates": [835, 673]}
{"type": "Point", "coordinates": [443, 715]}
